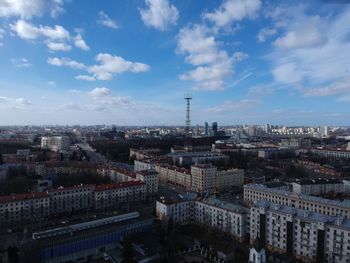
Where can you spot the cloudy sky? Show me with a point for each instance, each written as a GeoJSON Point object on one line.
{"type": "Point", "coordinates": [131, 62]}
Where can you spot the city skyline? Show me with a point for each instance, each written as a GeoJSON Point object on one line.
{"type": "Point", "coordinates": [131, 62]}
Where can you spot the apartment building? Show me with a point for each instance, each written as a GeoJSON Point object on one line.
{"type": "Point", "coordinates": [201, 178]}
{"type": "Point", "coordinates": [256, 192]}
{"type": "Point", "coordinates": [118, 174]}
{"type": "Point", "coordinates": [28, 207]}
{"type": "Point", "coordinates": [52, 168]}
{"type": "Point", "coordinates": [111, 195]}
{"type": "Point", "coordinates": [71, 199]}
{"type": "Point", "coordinates": [142, 165]}
{"type": "Point", "coordinates": [318, 186]}
{"type": "Point", "coordinates": [332, 153]}
{"type": "Point", "coordinates": [225, 179]}
{"type": "Point", "coordinates": [150, 178]}
{"type": "Point", "coordinates": [55, 143]}
{"type": "Point", "coordinates": [309, 236]}
{"type": "Point", "coordinates": [36, 206]}
{"type": "Point", "coordinates": [174, 175]}
{"type": "Point", "coordinates": [227, 217]}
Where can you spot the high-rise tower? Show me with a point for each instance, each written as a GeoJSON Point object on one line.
{"type": "Point", "coordinates": [187, 98]}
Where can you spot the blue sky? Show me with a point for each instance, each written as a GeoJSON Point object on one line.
{"type": "Point", "coordinates": [130, 62]}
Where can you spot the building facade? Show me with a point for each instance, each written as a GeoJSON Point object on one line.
{"type": "Point", "coordinates": [257, 192]}
{"type": "Point", "coordinates": [309, 236]}
{"type": "Point", "coordinates": [55, 143]}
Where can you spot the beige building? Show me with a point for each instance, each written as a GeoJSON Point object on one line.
{"type": "Point", "coordinates": [203, 178]}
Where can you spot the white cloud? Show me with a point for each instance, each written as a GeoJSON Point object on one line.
{"type": "Point", "coordinates": [305, 38]}
{"type": "Point", "coordinates": [240, 56]}
{"type": "Point", "coordinates": [20, 62]}
{"type": "Point", "coordinates": [14, 103]}
{"type": "Point", "coordinates": [233, 10]}
{"type": "Point", "coordinates": [85, 77]}
{"type": "Point", "coordinates": [287, 73]}
{"type": "Point", "coordinates": [109, 65]}
{"type": "Point", "coordinates": [58, 46]}
{"type": "Point", "coordinates": [2, 33]}
{"type": "Point", "coordinates": [266, 32]}
{"type": "Point", "coordinates": [159, 14]}
{"type": "Point", "coordinates": [104, 100]}
{"type": "Point", "coordinates": [69, 106]}
{"type": "Point", "coordinates": [100, 92]}
{"type": "Point", "coordinates": [235, 106]}
{"type": "Point", "coordinates": [80, 43]}
{"type": "Point", "coordinates": [74, 91]}
{"type": "Point", "coordinates": [27, 30]}
{"type": "Point", "coordinates": [103, 19]}
{"type": "Point", "coordinates": [57, 38]}
{"type": "Point", "coordinates": [26, 9]}
{"type": "Point", "coordinates": [340, 87]}
{"type": "Point", "coordinates": [311, 51]}
{"type": "Point", "coordinates": [212, 64]}
{"type": "Point", "coordinates": [65, 62]}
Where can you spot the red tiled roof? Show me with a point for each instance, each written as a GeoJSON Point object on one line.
{"type": "Point", "coordinates": [104, 187]}
{"type": "Point", "coordinates": [71, 187]}
{"type": "Point", "coordinates": [21, 197]}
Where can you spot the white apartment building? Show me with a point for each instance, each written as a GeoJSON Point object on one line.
{"type": "Point", "coordinates": [309, 236]}
{"type": "Point", "coordinates": [28, 207]}
{"type": "Point", "coordinates": [318, 186]}
{"type": "Point", "coordinates": [150, 178]}
{"type": "Point", "coordinates": [55, 143]}
{"type": "Point", "coordinates": [71, 199]}
{"type": "Point", "coordinates": [227, 217]}
{"type": "Point", "coordinates": [256, 192]}
{"type": "Point", "coordinates": [111, 195]}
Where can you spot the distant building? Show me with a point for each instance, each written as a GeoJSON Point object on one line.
{"type": "Point", "coordinates": [332, 153]}
{"type": "Point", "coordinates": [214, 128]}
{"type": "Point", "coordinates": [55, 143]}
{"type": "Point", "coordinates": [324, 131]}
{"type": "Point", "coordinates": [206, 129]}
